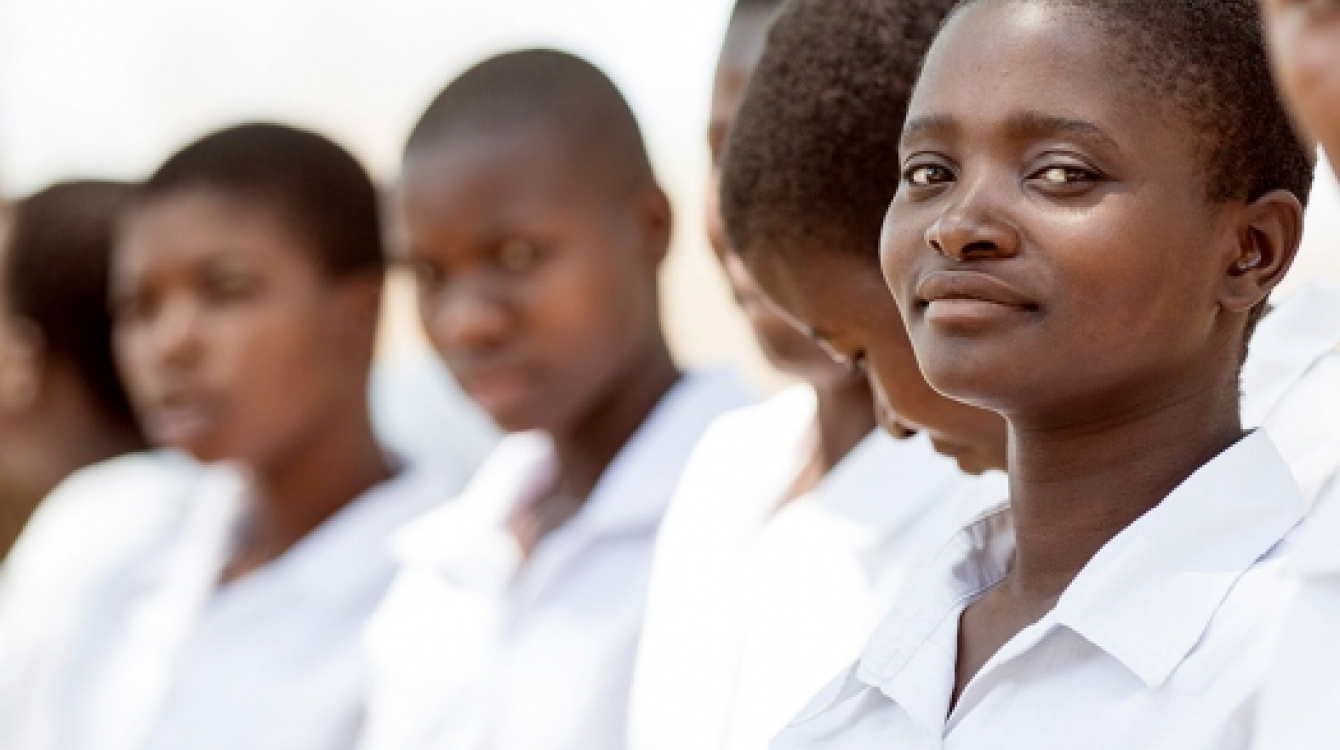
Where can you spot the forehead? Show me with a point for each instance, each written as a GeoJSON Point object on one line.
{"type": "Point", "coordinates": [997, 58]}
{"type": "Point", "coordinates": [482, 181]}
{"type": "Point", "coordinates": [204, 225]}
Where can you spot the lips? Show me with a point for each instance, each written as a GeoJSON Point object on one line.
{"type": "Point", "coordinates": [962, 299]}
{"type": "Point", "coordinates": [182, 420]}
{"type": "Point", "coordinates": [496, 389]}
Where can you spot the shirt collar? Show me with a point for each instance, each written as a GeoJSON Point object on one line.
{"type": "Point", "coordinates": [355, 540]}
{"type": "Point", "coordinates": [1288, 342]}
{"type": "Point", "coordinates": [345, 542]}
{"type": "Point", "coordinates": [468, 539]}
{"type": "Point", "coordinates": [1148, 596]}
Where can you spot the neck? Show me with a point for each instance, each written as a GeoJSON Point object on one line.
{"type": "Point", "coordinates": [292, 495]}
{"type": "Point", "coordinates": [1075, 486]}
{"type": "Point", "coordinates": [587, 450]}
{"type": "Point", "coordinates": [845, 416]}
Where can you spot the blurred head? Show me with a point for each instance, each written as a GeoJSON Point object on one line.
{"type": "Point", "coordinates": [786, 347]}
{"type": "Point", "coordinates": [810, 168]}
{"type": "Point", "coordinates": [530, 217]}
{"type": "Point", "coordinates": [246, 288]}
{"type": "Point", "coordinates": [1305, 43]}
{"type": "Point", "coordinates": [55, 249]}
{"type": "Point", "coordinates": [1101, 228]}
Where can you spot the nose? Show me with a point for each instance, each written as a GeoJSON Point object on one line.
{"type": "Point", "coordinates": [971, 230]}
{"type": "Point", "coordinates": [176, 339]}
{"type": "Point", "coordinates": [468, 320]}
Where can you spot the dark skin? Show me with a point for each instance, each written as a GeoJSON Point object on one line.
{"type": "Point", "coordinates": [841, 299]}
{"type": "Point", "coordinates": [537, 284]}
{"type": "Point", "coordinates": [844, 408]}
{"type": "Point", "coordinates": [219, 306]}
{"type": "Point", "coordinates": [1304, 40]}
{"type": "Point", "coordinates": [51, 423]}
{"type": "Point", "coordinates": [1057, 259]}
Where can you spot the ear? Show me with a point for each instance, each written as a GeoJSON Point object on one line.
{"type": "Point", "coordinates": [22, 363]}
{"type": "Point", "coordinates": [1269, 234]}
{"type": "Point", "coordinates": [657, 221]}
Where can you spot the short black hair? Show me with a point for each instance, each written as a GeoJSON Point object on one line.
{"type": "Point", "coordinates": [57, 263]}
{"type": "Point", "coordinates": [547, 91]}
{"type": "Point", "coordinates": [813, 154]}
{"type": "Point", "coordinates": [1208, 59]}
{"type": "Point", "coordinates": [314, 185]}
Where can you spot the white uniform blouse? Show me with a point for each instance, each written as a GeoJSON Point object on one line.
{"type": "Point", "coordinates": [272, 661]}
{"type": "Point", "coordinates": [474, 650]}
{"type": "Point", "coordinates": [1291, 382]}
{"type": "Point", "coordinates": [755, 605]}
{"type": "Point", "coordinates": [1161, 643]}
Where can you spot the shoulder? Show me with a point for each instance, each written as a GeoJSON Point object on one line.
{"type": "Point", "coordinates": [105, 511]}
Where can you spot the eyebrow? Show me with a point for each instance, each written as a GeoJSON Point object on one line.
{"type": "Point", "coordinates": [1021, 126]}
{"type": "Point", "coordinates": [1026, 125]}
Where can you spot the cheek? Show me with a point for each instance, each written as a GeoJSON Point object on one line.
{"type": "Point", "coordinates": [276, 363]}
{"type": "Point", "coordinates": [580, 315]}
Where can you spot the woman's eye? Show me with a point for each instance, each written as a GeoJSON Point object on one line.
{"type": "Point", "coordinates": [927, 175]}
{"type": "Point", "coordinates": [518, 256]}
{"type": "Point", "coordinates": [1065, 175]}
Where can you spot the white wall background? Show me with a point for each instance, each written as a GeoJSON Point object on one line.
{"type": "Point", "coordinates": [110, 87]}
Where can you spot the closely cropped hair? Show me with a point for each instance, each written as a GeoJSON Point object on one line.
{"type": "Point", "coordinates": [551, 92]}
{"type": "Point", "coordinates": [57, 262]}
{"type": "Point", "coordinates": [813, 154]}
{"type": "Point", "coordinates": [315, 186]}
{"type": "Point", "coordinates": [1207, 59]}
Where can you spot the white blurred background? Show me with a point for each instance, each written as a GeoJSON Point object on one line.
{"type": "Point", "coordinates": [108, 88]}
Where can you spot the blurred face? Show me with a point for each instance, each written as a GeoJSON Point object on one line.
{"type": "Point", "coordinates": [1305, 43]}
{"type": "Point", "coordinates": [20, 371]}
{"type": "Point", "coordinates": [840, 297]}
{"type": "Point", "coordinates": [1051, 246]}
{"type": "Point", "coordinates": [234, 345]}
{"type": "Point", "coordinates": [538, 291]}
{"type": "Point", "coordinates": [787, 348]}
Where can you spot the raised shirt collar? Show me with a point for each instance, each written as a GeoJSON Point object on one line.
{"type": "Point", "coordinates": [468, 540]}
{"type": "Point", "coordinates": [1147, 597]}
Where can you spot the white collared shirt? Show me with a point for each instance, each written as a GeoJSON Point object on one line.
{"type": "Point", "coordinates": [754, 605]}
{"type": "Point", "coordinates": [271, 661]}
{"type": "Point", "coordinates": [1298, 704]}
{"type": "Point", "coordinates": [474, 650]}
{"type": "Point", "coordinates": [1291, 382]}
{"type": "Point", "coordinates": [71, 567]}
{"type": "Point", "coordinates": [1160, 643]}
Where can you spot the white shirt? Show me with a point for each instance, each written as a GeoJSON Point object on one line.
{"type": "Point", "coordinates": [754, 605]}
{"type": "Point", "coordinates": [1298, 705]}
{"type": "Point", "coordinates": [1291, 382]}
{"type": "Point", "coordinates": [473, 649]}
{"type": "Point", "coordinates": [68, 570]}
{"type": "Point", "coordinates": [271, 661]}
{"type": "Point", "coordinates": [1160, 643]}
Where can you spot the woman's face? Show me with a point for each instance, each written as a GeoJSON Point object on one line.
{"type": "Point", "coordinates": [233, 343]}
{"type": "Point", "coordinates": [840, 298]}
{"type": "Point", "coordinates": [1052, 246]}
{"type": "Point", "coordinates": [1304, 40]}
